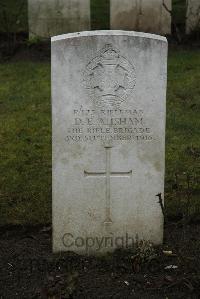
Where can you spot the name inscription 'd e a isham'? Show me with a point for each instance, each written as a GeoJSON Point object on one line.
{"type": "Point", "coordinates": [86, 126]}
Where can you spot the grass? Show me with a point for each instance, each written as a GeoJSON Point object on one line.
{"type": "Point", "coordinates": [182, 135]}
{"type": "Point", "coordinates": [183, 109]}
{"type": "Point", "coordinates": [25, 133]}
{"type": "Point", "coordinates": [25, 143]}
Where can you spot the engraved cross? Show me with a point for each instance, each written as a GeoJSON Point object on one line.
{"type": "Point", "coordinates": [108, 174]}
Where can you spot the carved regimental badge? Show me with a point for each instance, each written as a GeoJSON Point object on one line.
{"type": "Point", "coordinates": [110, 78]}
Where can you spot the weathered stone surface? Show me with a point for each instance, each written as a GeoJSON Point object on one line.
{"type": "Point", "coordinates": [193, 16]}
{"type": "Point", "coordinates": [141, 15]}
{"type": "Point", "coordinates": [52, 17]}
{"type": "Point", "coordinates": [108, 108]}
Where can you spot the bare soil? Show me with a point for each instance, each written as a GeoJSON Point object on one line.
{"type": "Point", "coordinates": [29, 269]}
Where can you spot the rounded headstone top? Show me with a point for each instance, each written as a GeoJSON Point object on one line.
{"type": "Point", "coordinates": [107, 33]}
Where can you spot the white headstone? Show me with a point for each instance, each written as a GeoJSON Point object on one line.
{"type": "Point", "coordinates": [108, 108]}
{"type": "Point", "coordinates": [141, 15]}
{"type": "Point", "coordinates": [52, 17]}
{"type": "Point", "coordinates": [193, 15]}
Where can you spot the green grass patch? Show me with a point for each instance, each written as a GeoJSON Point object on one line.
{"type": "Point", "coordinates": [25, 143]}
{"type": "Point", "coordinates": [183, 110]}
{"type": "Point", "coordinates": [182, 134]}
{"type": "Point", "coordinates": [25, 133]}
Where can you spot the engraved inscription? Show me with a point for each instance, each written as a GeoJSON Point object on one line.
{"type": "Point", "coordinates": [124, 125]}
{"type": "Point", "coordinates": [110, 78]}
{"type": "Point", "coordinates": [108, 174]}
